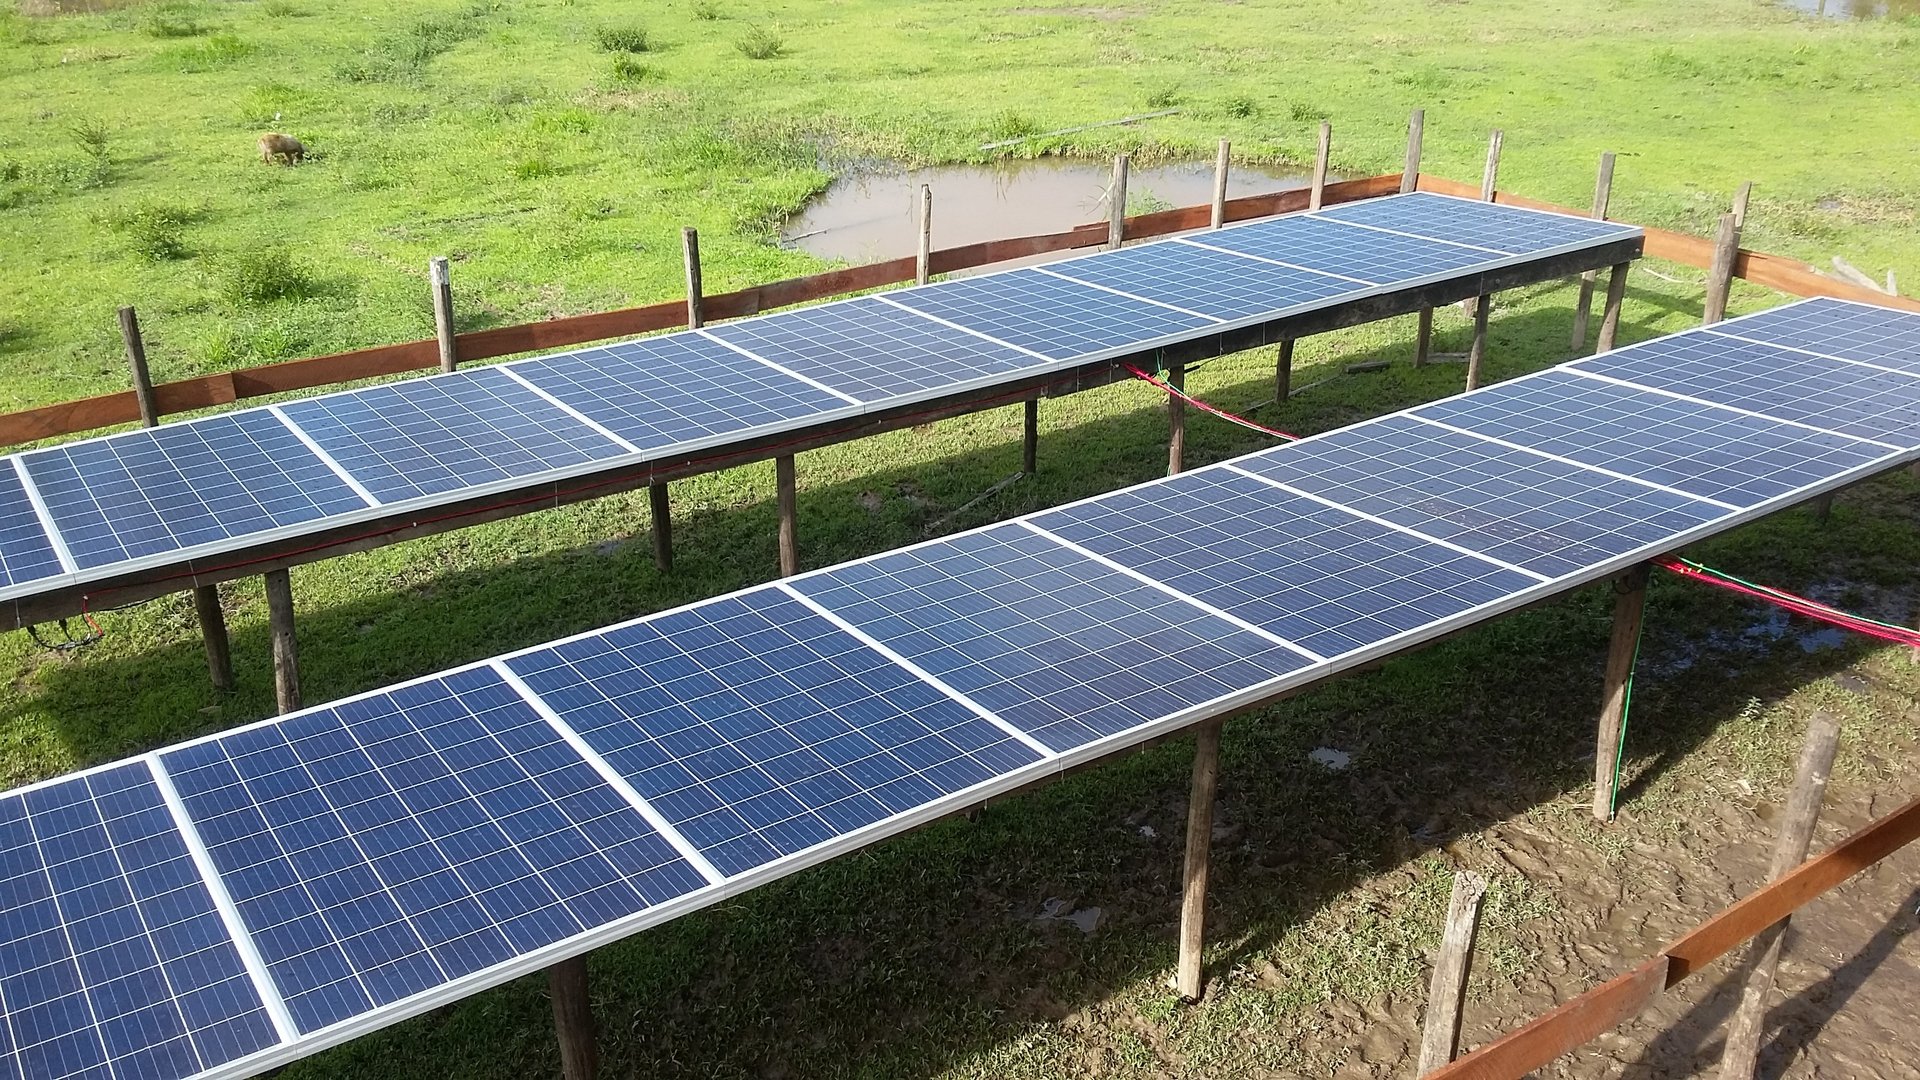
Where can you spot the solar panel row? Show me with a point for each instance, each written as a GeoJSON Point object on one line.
{"type": "Point", "coordinates": [395, 850]}
{"type": "Point", "coordinates": [118, 503]}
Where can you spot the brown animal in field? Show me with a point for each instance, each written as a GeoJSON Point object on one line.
{"type": "Point", "coordinates": [285, 147]}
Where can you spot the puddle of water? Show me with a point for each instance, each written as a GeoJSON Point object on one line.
{"type": "Point", "coordinates": [1855, 9]}
{"type": "Point", "coordinates": [869, 215]}
{"type": "Point", "coordinates": [1771, 626]}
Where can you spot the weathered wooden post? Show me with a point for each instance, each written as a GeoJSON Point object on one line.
{"type": "Point", "coordinates": [1629, 609]}
{"type": "Point", "coordinates": [1221, 162]}
{"type": "Point", "coordinates": [573, 1019]}
{"type": "Point", "coordinates": [1440, 1036]}
{"type": "Point", "coordinates": [1602, 195]}
{"type": "Point", "coordinates": [696, 300]}
{"type": "Point", "coordinates": [1176, 419]}
{"type": "Point", "coordinates": [1117, 204]}
{"type": "Point", "coordinates": [1489, 175]}
{"type": "Point", "coordinates": [1483, 304]}
{"type": "Point", "coordinates": [786, 497]}
{"type": "Point", "coordinates": [1796, 835]}
{"type": "Point", "coordinates": [1193, 895]}
{"type": "Point", "coordinates": [1316, 194]}
{"type": "Point", "coordinates": [442, 282]}
{"type": "Point", "coordinates": [1726, 249]}
{"type": "Point", "coordinates": [206, 598]}
{"type": "Point", "coordinates": [1610, 316]}
{"type": "Point", "coordinates": [1283, 372]}
{"type": "Point", "coordinates": [286, 651]}
{"type": "Point", "coordinates": [659, 505]}
{"type": "Point", "coordinates": [1030, 438]}
{"type": "Point", "coordinates": [923, 261]}
{"type": "Point", "coordinates": [1410, 181]}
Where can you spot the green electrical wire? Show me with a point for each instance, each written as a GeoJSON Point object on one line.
{"type": "Point", "coordinates": [1724, 576]}
{"type": "Point", "coordinates": [1626, 708]}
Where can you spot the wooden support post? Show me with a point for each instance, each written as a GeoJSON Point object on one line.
{"type": "Point", "coordinates": [573, 1019]}
{"type": "Point", "coordinates": [1410, 172]}
{"type": "Point", "coordinates": [690, 249]}
{"type": "Point", "coordinates": [1283, 373]}
{"type": "Point", "coordinates": [1823, 508]}
{"type": "Point", "coordinates": [1030, 438]}
{"type": "Point", "coordinates": [1476, 309]}
{"type": "Point", "coordinates": [1726, 246]}
{"type": "Point", "coordinates": [213, 632]}
{"type": "Point", "coordinates": [1477, 353]}
{"type": "Point", "coordinates": [1316, 195]}
{"type": "Point", "coordinates": [1602, 194]}
{"type": "Point", "coordinates": [1629, 605]}
{"type": "Point", "coordinates": [661, 519]}
{"type": "Point", "coordinates": [1221, 163]}
{"type": "Point", "coordinates": [1176, 419]}
{"type": "Point", "coordinates": [1491, 173]}
{"type": "Point", "coordinates": [442, 283]}
{"type": "Point", "coordinates": [1740, 200]}
{"type": "Point", "coordinates": [1423, 338]}
{"type": "Point", "coordinates": [286, 651]}
{"type": "Point", "coordinates": [1440, 1039]}
{"type": "Point", "coordinates": [1193, 896]}
{"type": "Point", "coordinates": [1117, 204]}
{"type": "Point", "coordinates": [1610, 316]}
{"type": "Point", "coordinates": [787, 499]}
{"type": "Point", "coordinates": [923, 262]}
{"type": "Point", "coordinates": [1796, 835]}
{"type": "Point", "coordinates": [137, 363]}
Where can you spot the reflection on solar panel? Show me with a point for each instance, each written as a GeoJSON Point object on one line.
{"type": "Point", "coordinates": [1499, 228]}
{"type": "Point", "coordinates": [395, 851]}
{"type": "Point", "coordinates": [137, 500]}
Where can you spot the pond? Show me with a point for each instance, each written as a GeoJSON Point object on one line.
{"type": "Point", "coordinates": [1855, 9]}
{"type": "Point", "coordinates": [868, 214]}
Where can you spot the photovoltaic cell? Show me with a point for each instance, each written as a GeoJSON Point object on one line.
{"type": "Point", "coordinates": [760, 729]}
{"type": "Point", "coordinates": [1060, 319]}
{"type": "Point", "coordinates": [114, 962]}
{"type": "Point", "coordinates": [1825, 394]}
{"type": "Point", "coordinates": [1486, 225]}
{"type": "Point", "coordinates": [872, 350]}
{"type": "Point", "coordinates": [1549, 517]}
{"type": "Point", "coordinates": [1331, 247]}
{"type": "Point", "coordinates": [1716, 453]}
{"type": "Point", "coordinates": [181, 485]}
{"type": "Point", "coordinates": [1200, 279]}
{"type": "Point", "coordinates": [1323, 578]}
{"type": "Point", "coordinates": [441, 434]}
{"type": "Point", "coordinates": [656, 392]}
{"type": "Point", "coordinates": [25, 552]}
{"type": "Point", "coordinates": [1054, 643]}
{"type": "Point", "coordinates": [1862, 332]}
{"type": "Point", "coordinates": [383, 846]}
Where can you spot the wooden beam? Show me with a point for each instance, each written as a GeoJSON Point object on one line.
{"type": "Point", "coordinates": [1440, 1034]}
{"type": "Point", "coordinates": [1726, 247]}
{"type": "Point", "coordinates": [1176, 419]}
{"type": "Point", "coordinates": [786, 496]}
{"type": "Point", "coordinates": [1610, 315]}
{"type": "Point", "coordinates": [573, 1019]}
{"type": "Point", "coordinates": [137, 366]}
{"type": "Point", "coordinates": [1790, 850]}
{"type": "Point", "coordinates": [696, 299]}
{"type": "Point", "coordinates": [286, 650]}
{"type": "Point", "coordinates": [1629, 607]}
{"type": "Point", "coordinates": [1519, 1052]}
{"type": "Point", "coordinates": [1221, 163]}
{"type": "Point", "coordinates": [441, 282]}
{"type": "Point", "coordinates": [1030, 437]}
{"type": "Point", "coordinates": [923, 259]}
{"type": "Point", "coordinates": [213, 634]}
{"type": "Point", "coordinates": [1410, 173]}
{"type": "Point", "coordinates": [1117, 204]}
{"type": "Point", "coordinates": [1283, 373]}
{"type": "Point", "coordinates": [661, 521]}
{"type": "Point", "coordinates": [1583, 305]}
{"type": "Point", "coordinates": [1477, 352]}
{"type": "Point", "coordinates": [1316, 194]}
{"type": "Point", "coordinates": [1193, 895]}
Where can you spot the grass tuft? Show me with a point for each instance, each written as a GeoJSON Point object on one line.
{"type": "Point", "coordinates": [152, 228]}
{"type": "Point", "coordinates": [761, 43]}
{"type": "Point", "coordinates": [706, 10]}
{"type": "Point", "coordinates": [171, 20]}
{"type": "Point", "coordinates": [624, 39]}
{"type": "Point", "coordinates": [265, 275]}
{"type": "Point", "coordinates": [625, 69]}
{"type": "Point", "coordinates": [403, 57]}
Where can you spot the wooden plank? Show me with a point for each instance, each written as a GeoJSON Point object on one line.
{"type": "Point", "coordinates": [690, 256]}
{"type": "Point", "coordinates": [1410, 172]}
{"type": "Point", "coordinates": [1222, 161]}
{"type": "Point", "coordinates": [1583, 305]}
{"type": "Point", "coordinates": [573, 1019]}
{"type": "Point", "coordinates": [1447, 992]}
{"type": "Point", "coordinates": [320, 371]}
{"type": "Point", "coordinates": [137, 367]}
{"type": "Point", "coordinates": [1193, 895]}
{"type": "Point", "coordinates": [286, 649]}
{"type": "Point", "coordinates": [1579, 1021]}
{"type": "Point", "coordinates": [440, 281]}
{"type": "Point", "coordinates": [1629, 605]}
{"type": "Point", "coordinates": [1317, 190]}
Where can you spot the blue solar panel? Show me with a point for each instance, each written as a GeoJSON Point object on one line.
{"type": "Point", "coordinates": [1548, 517]}
{"type": "Point", "coordinates": [872, 350]}
{"type": "Point", "coordinates": [182, 485]}
{"type": "Point", "coordinates": [1054, 643]}
{"type": "Point", "coordinates": [1320, 577]}
{"type": "Point", "coordinates": [657, 392]}
{"type": "Point", "coordinates": [1702, 450]}
{"type": "Point", "coordinates": [1368, 255]}
{"type": "Point", "coordinates": [1487, 225]}
{"type": "Point", "coordinates": [1826, 394]}
{"type": "Point", "coordinates": [442, 434]}
{"type": "Point", "coordinates": [759, 729]}
{"type": "Point", "coordinates": [1861, 332]}
{"type": "Point", "coordinates": [26, 554]}
{"type": "Point", "coordinates": [383, 846]}
{"type": "Point", "coordinates": [1204, 280]}
{"type": "Point", "coordinates": [114, 961]}
{"type": "Point", "coordinates": [1061, 319]}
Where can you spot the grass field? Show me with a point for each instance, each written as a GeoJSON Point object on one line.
{"type": "Point", "coordinates": [553, 149]}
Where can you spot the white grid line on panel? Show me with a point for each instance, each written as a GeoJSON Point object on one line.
{"type": "Point", "coordinates": [1601, 469]}
{"type": "Point", "coordinates": [1128, 295]}
{"type": "Point", "coordinates": [1731, 408]}
{"type": "Point", "coordinates": [46, 516]}
{"type": "Point", "coordinates": [1275, 262]}
{"type": "Point", "coordinates": [346, 477]}
{"type": "Point", "coordinates": [570, 410]}
{"type": "Point", "coordinates": [1412, 235]}
{"type": "Point", "coordinates": [781, 368]}
{"type": "Point", "coordinates": [1810, 352]}
{"type": "Point", "coordinates": [950, 324]}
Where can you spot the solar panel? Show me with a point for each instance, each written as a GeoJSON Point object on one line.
{"type": "Point", "coordinates": [1059, 645]}
{"type": "Point", "coordinates": [1824, 394]}
{"type": "Point", "coordinates": [759, 729]}
{"type": "Point", "coordinates": [391, 843]}
{"type": "Point", "coordinates": [1484, 225]}
{"type": "Point", "coordinates": [873, 350]}
{"type": "Point", "coordinates": [1715, 453]}
{"type": "Point", "coordinates": [180, 486]}
{"type": "Point", "coordinates": [1322, 577]}
{"type": "Point", "coordinates": [114, 961]}
{"type": "Point", "coordinates": [1059, 319]}
{"type": "Point", "coordinates": [679, 389]}
{"type": "Point", "coordinates": [1858, 332]}
{"type": "Point", "coordinates": [1548, 516]}
{"type": "Point", "coordinates": [1215, 283]}
{"type": "Point", "coordinates": [447, 433]}
{"type": "Point", "coordinates": [26, 552]}
{"type": "Point", "coordinates": [1367, 256]}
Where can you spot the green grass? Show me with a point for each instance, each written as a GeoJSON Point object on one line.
{"type": "Point", "coordinates": [507, 137]}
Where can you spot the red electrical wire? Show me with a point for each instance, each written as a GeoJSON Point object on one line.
{"type": "Point", "coordinates": [1799, 605]}
{"type": "Point", "coordinates": [1198, 404]}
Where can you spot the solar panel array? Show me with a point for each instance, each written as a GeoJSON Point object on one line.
{"type": "Point", "coordinates": [250, 897]}
{"type": "Point", "coordinates": [116, 504]}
